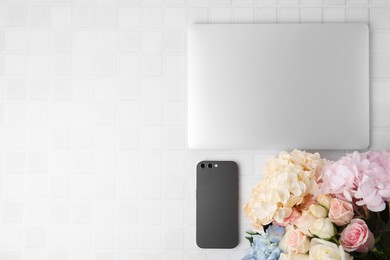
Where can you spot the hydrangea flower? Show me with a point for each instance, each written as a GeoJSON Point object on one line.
{"type": "Point", "coordinates": [265, 244]}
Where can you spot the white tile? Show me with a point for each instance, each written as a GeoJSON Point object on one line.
{"type": "Point", "coordinates": [151, 89]}
{"type": "Point", "coordinates": [39, 64]}
{"type": "Point", "coordinates": [58, 212]}
{"type": "Point", "coordinates": [243, 15]}
{"type": "Point", "coordinates": [198, 15]}
{"type": "Point", "coordinates": [59, 186]}
{"type": "Point", "coordinates": [152, 17]}
{"type": "Point", "coordinates": [61, 16]}
{"type": "Point", "coordinates": [106, 65]}
{"type": "Point", "coordinates": [82, 113]}
{"type": "Point", "coordinates": [106, 16]}
{"type": "Point", "coordinates": [175, 65]}
{"type": "Point", "coordinates": [15, 113]}
{"type": "Point", "coordinates": [35, 212]}
{"type": "Point", "coordinates": [174, 89]}
{"type": "Point", "coordinates": [82, 137]}
{"type": "Point", "coordinates": [127, 187]}
{"type": "Point", "coordinates": [61, 88]}
{"type": "Point", "coordinates": [380, 116]}
{"type": "Point", "coordinates": [150, 188]}
{"type": "Point", "coordinates": [126, 238]}
{"type": "Point", "coordinates": [380, 67]}
{"type": "Point", "coordinates": [221, 15]}
{"type": "Point", "coordinates": [58, 112]}
{"type": "Point", "coordinates": [128, 162]}
{"type": "Point", "coordinates": [104, 187]}
{"type": "Point", "coordinates": [11, 211]}
{"type": "Point", "coordinates": [334, 2]}
{"type": "Point", "coordinates": [105, 138]}
{"type": "Point", "coordinates": [129, 41]}
{"type": "Point", "coordinates": [15, 40]}
{"type": "Point", "coordinates": [15, 64]}
{"type": "Point", "coordinates": [334, 15]}
{"type": "Point", "coordinates": [380, 42]}
{"type": "Point", "coordinates": [61, 40]}
{"type": "Point", "coordinates": [173, 163]}
{"type": "Point", "coordinates": [175, 17]}
{"type": "Point", "coordinates": [104, 162]}
{"type": "Point", "coordinates": [128, 65]}
{"type": "Point", "coordinates": [152, 41]}
{"type": "Point", "coordinates": [84, 16]}
{"type": "Point", "coordinates": [105, 113]}
{"type": "Point", "coordinates": [80, 212]}
{"type": "Point", "coordinates": [128, 89]}
{"type": "Point", "coordinates": [59, 161]}
{"type": "Point", "coordinates": [37, 137]}
{"type": "Point", "coordinates": [172, 212]}
{"type": "Point", "coordinates": [358, 15]}
{"type": "Point", "coordinates": [149, 213]}
{"type": "Point", "coordinates": [81, 187]}
{"type": "Point", "coordinates": [84, 40]}
{"type": "Point", "coordinates": [39, 88]}
{"type": "Point", "coordinates": [128, 114]}
{"type": "Point", "coordinates": [14, 137]}
{"type": "Point", "coordinates": [84, 64]}
{"type": "Point", "coordinates": [152, 65]}
{"type": "Point", "coordinates": [103, 237]}
{"type": "Point", "coordinates": [15, 88]}
{"type": "Point", "coordinates": [83, 88]}
{"type": "Point", "coordinates": [39, 41]}
{"type": "Point", "coordinates": [103, 212]}
{"type": "Point", "coordinates": [62, 64]}
{"type": "Point", "coordinates": [16, 16]}
{"type": "Point", "coordinates": [174, 114]}
{"type": "Point", "coordinates": [82, 162]}
{"type": "Point", "coordinates": [57, 236]}
{"type": "Point", "coordinates": [36, 186]}
{"type": "Point", "coordinates": [288, 15]}
{"type": "Point", "coordinates": [106, 41]}
{"type": "Point", "coordinates": [150, 138]}
{"type": "Point", "coordinates": [128, 138]}
{"type": "Point", "coordinates": [174, 41]}
{"type": "Point", "coordinates": [59, 137]}
{"type": "Point", "coordinates": [34, 237]}
{"type": "Point", "coordinates": [172, 238]}
{"type": "Point", "coordinates": [37, 113]}
{"type": "Point", "coordinates": [80, 236]}
{"type": "Point", "coordinates": [39, 16]}
{"type": "Point", "coordinates": [380, 92]}
{"type": "Point", "coordinates": [11, 236]}
{"type": "Point", "coordinates": [151, 114]}
{"type": "Point", "coordinates": [311, 14]}
{"type": "Point", "coordinates": [380, 140]}
{"type": "Point", "coordinates": [173, 188]}
{"type": "Point", "coordinates": [129, 17]}
{"type": "Point", "coordinates": [105, 88]}
{"type": "Point", "coordinates": [127, 212]}
{"type": "Point", "coordinates": [174, 138]}
{"type": "Point", "coordinates": [80, 255]}
{"type": "Point", "coordinates": [14, 162]}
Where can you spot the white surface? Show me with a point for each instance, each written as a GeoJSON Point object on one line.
{"type": "Point", "coordinates": [279, 86]}
{"type": "Point", "coordinates": [74, 185]}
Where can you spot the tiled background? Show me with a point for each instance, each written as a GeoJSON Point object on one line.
{"type": "Point", "coordinates": [93, 157]}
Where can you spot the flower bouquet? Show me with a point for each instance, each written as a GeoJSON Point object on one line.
{"type": "Point", "coordinates": [307, 207]}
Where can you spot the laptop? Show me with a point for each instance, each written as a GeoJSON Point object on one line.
{"type": "Point", "coordinates": [278, 86]}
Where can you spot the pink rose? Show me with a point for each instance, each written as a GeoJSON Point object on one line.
{"type": "Point", "coordinates": [291, 219]}
{"type": "Point", "coordinates": [340, 212]}
{"type": "Point", "coordinates": [357, 237]}
{"type": "Point", "coordinates": [298, 242]}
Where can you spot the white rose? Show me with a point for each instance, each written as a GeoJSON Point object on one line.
{"type": "Point", "coordinates": [321, 249]}
{"type": "Point", "coordinates": [292, 256]}
{"type": "Point", "coordinates": [322, 228]}
{"type": "Point", "coordinates": [305, 222]}
{"type": "Point", "coordinates": [318, 211]}
{"type": "Point", "coordinates": [325, 200]}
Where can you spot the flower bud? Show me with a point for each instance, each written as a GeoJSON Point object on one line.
{"type": "Point", "coordinates": [318, 211]}
{"type": "Point", "coordinates": [325, 200]}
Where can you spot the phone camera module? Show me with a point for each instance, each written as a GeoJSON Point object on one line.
{"type": "Point", "coordinates": [209, 165]}
{"type": "Point", "coordinates": [202, 165]}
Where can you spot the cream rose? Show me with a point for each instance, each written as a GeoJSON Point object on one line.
{"type": "Point", "coordinates": [325, 200]}
{"type": "Point", "coordinates": [298, 242]}
{"type": "Point", "coordinates": [305, 222]}
{"type": "Point", "coordinates": [340, 212]}
{"type": "Point", "coordinates": [292, 256]}
{"type": "Point", "coordinates": [322, 228]}
{"type": "Point", "coordinates": [318, 211]}
{"type": "Point", "coordinates": [321, 249]}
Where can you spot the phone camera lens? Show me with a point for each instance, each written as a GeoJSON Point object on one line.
{"type": "Point", "coordinates": [209, 165]}
{"type": "Point", "coordinates": [202, 165]}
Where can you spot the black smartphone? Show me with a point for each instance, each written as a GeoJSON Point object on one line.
{"type": "Point", "coordinates": [217, 204]}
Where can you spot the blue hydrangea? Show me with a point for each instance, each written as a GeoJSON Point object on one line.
{"type": "Point", "coordinates": [265, 245]}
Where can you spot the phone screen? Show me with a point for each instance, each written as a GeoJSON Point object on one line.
{"type": "Point", "coordinates": [217, 204]}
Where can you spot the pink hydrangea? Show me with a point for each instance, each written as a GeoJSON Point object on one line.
{"type": "Point", "coordinates": [363, 176]}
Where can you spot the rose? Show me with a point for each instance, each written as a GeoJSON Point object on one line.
{"type": "Point", "coordinates": [291, 219]}
{"type": "Point", "coordinates": [321, 249]}
{"type": "Point", "coordinates": [318, 211]}
{"type": "Point", "coordinates": [357, 237]}
{"type": "Point", "coordinates": [298, 242]}
{"type": "Point", "coordinates": [340, 212]}
{"type": "Point", "coordinates": [325, 200]}
{"type": "Point", "coordinates": [305, 222]}
{"type": "Point", "coordinates": [322, 228]}
{"type": "Point", "coordinates": [292, 256]}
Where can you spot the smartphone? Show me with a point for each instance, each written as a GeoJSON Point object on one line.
{"type": "Point", "coordinates": [217, 204]}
